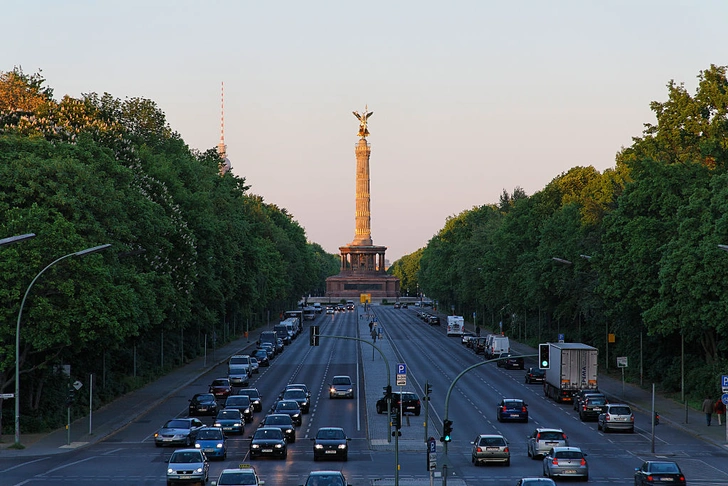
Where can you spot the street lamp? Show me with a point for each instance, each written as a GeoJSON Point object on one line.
{"type": "Point", "coordinates": [17, 333]}
{"type": "Point", "coordinates": [16, 239]}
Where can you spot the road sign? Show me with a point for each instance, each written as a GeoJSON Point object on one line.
{"type": "Point", "coordinates": [401, 369]}
{"type": "Point", "coordinates": [621, 361]}
{"type": "Point", "coordinates": [724, 399]}
{"type": "Point", "coordinates": [6, 396]}
{"type": "Point", "coordinates": [77, 385]}
{"type": "Point", "coordinates": [431, 454]}
{"type": "Point", "coordinates": [561, 338]}
{"type": "Point", "coordinates": [401, 380]}
{"type": "Point", "coordinates": [724, 383]}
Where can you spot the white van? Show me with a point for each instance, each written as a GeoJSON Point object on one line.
{"type": "Point", "coordinates": [455, 325]}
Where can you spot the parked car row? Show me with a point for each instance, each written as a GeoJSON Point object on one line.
{"type": "Point", "coordinates": [428, 317]}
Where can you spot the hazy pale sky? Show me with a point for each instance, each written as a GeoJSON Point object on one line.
{"type": "Point", "coordinates": [469, 97]}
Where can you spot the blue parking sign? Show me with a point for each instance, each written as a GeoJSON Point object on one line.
{"type": "Point", "coordinates": [724, 383]}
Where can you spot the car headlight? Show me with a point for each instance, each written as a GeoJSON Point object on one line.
{"type": "Point", "coordinates": [255, 446]}
{"type": "Point", "coordinates": [350, 390]}
{"type": "Point", "coordinates": [332, 390]}
{"type": "Point", "coordinates": [218, 424]}
{"type": "Point", "coordinates": [199, 470]}
{"type": "Point", "coordinates": [278, 446]}
{"type": "Point", "coordinates": [318, 446]}
{"type": "Point", "coordinates": [170, 471]}
{"type": "Point", "coordinates": [296, 415]}
{"type": "Point", "coordinates": [219, 445]}
{"type": "Point", "coordinates": [197, 445]}
{"type": "Point", "coordinates": [156, 434]}
{"type": "Point", "coordinates": [247, 410]}
{"type": "Point", "coordinates": [238, 424]}
{"type": "Point", "coordinates": [289, 431]}
{"type": "Point", "coordinates": [342, 446]}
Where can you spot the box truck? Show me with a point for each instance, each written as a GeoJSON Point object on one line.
{"type": "Point", "coordinates": [573, 367]}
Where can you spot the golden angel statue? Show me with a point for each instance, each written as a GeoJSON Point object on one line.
{"type": "Point", "coordinates": [363, 132]}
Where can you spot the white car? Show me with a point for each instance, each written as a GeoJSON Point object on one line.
{"type": "Point", "coordinates": [329, 309]}
{"type": "Point", "coordinates": [254, 365]}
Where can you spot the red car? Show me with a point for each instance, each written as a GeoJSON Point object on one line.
{"type": "Point", "coordinates": [221, 388]}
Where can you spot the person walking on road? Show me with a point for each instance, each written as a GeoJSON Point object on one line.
{"type": "Point", "coordinates": [719, 409]}
{"type": "Point", "coordinates": [708, 410]}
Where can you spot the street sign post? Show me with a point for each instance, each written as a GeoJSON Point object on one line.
{"type": "Point", "coordinates": [724, 383]}
{"type": "Point", "coordinates": [431, 454]}
{"type": "Point", "coordinates": [6, 396]}
{"type": "Point", "coordinates": [401, 374]}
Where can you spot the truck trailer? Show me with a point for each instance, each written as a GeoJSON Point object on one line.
{"type": "Point", "coordinates": [573, 367]}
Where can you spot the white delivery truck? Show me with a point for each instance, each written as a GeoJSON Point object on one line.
{"type": "Point", "coordinates": [497, 345]}
{"type": "Point", "coordinates": [573, 367]}
{"type": "Point", "coordinates": [455, 325]}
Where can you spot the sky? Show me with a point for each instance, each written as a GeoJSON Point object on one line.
{"type": "Point", "coordinates": [470, 98]}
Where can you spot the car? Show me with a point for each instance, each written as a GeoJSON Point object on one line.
{"type": "Point", "coordinates": [329, 309]}
{"type": "Point", "coordinates": [467, 336]}
{"type": "Point", "coordinates": [255, 398]}
{"type": "Point", "coordinates": [289, 407]}
{"type": "Point", "coordinates": [187, 466]}
{"type": "Point", "coordinates": [230, 421]}
{"type": "Point", "coordinates": [478, 344]}
{"type": "Point", "coordinates": [262, 356]}
{"type": "Point", "coordinates": [512, 409]}
{"type": "Point", "coordinates": [544, 439]}
{"type": "Point", "coordinates": [302, 386]}
{"type": "Point", "coordinates": [591, 407]}
{"type": "Point", "coordinates": [433, 320]}
{"type": "Point", "coordinates": [535, 482]}
{"type": "Point", "coordinates": [203, 404]}
{"type": "Point", "coordinates": [350, 305]}
{"type": "Point", "coordinates": [270, 348]}
{"type": "Point", "coordinates": [300, 396]}
{"type": "Point", "coordinates": [659, 472]}
{"type": "Point", "coordinates": [326, 478]}
{"type": "Point", "coordinates": [330, 442]}
{"type": "Point", "coordinates": [490, 448]}
{"type": "Point", "coordinates": [254, 364]}
{"type": "Point", "coordinates": [340, 308]}
{"type": "Point", "coordinates": [404, 305]}
{"type": "Point", "coordinates": [268, 441]}
{"type": "Point", "coordinates": [341, 386]}
{"type": "Point", "coordinates": [221, 388]}
{"type": "Point", "coordinates": [180, 431]}
{"type": "Point", "coordinates": [242, 403]}
{"type": "Point", "coordinates": [510, 362]}
{"type": "Point", "coordinates": [212, 441]}
{"type": "Point", "coordinates": [244, 475]}
{"type": "Point", "coordinates": [410, 403]}
{"type": "Point", "coordinates": [535, 375]}
{"type": "Point", "coordinates": [581, 395]}
{"type": "Point", "coordinates": [566, 462]}
{"type": "Point", "coordinates": [396, 305]}
{"type": "Point", "coordinates": [616, 416]}
{"type": "Point", "coordinates": [284, 422]}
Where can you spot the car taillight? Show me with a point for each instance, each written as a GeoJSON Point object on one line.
{"type": "Point", "coordinates": [505, 450]}
{"type": "Point", "coordinates": [504, 408]}
{"type": "Point", "coordinates": [479, 449]}
{"type": "Point", "coordinates": [608, 417]}
{"type": "Point", "coordinates": [583, 407]}
{"type": "Point", "coordinates": [564, 436]}
{"type": "Point", "coordinates": [538, 436]}
{"type": "Point", "coordinates": [650, 478]}
{"type": "Point", "coordinates": [523, 409]}
{"type": "Point", "coordinates": [631, 418]}
{"type": "Point", "coordinates": [583, 461]}
{"type": "Point", "coordinates": [682, 478]}
{"type": "Point", "coordinates": [555, 461]}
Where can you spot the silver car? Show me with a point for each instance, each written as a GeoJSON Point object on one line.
{"type": "Point", "coordinates": [187, 465]}
{"type": "Point", "coordinates": [534, 482]}
{"type": "Point", "coordinates": [543, 440]}
{"type": "Point", "coordinates": [341, 386]}
{"type": "Point", "coordinates": [490, 448]}
{"type": "Point", "coordinates": [616, 416]}
{"type": "Point", "coordinates": [566, 462]}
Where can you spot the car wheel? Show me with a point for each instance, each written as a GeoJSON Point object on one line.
{"type": "Point", "coordinates": [528, 451]}
{"type": "Point", "coordinates": [581, 417]}
{"type": "Point", "coordinates": [599, 425]}
{"type": "Point", "coordinates": [293, 439]}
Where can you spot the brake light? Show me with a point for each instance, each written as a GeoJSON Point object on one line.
{"type": "Point", "coordinates": [650, 478]}
{"type": "Point", "coordinates": [555, 461]}
{"type": "Point", "coordinates": [583, 461]}
{"type": "Point", "coordinates": [608, 417]}
{"type": "Point", "coordinates": [631, 418]}
{"type": "Point", "coordinates": [564, 436]}
{"type": "Point", "coordinates": [523, 409]}
{"type": "Point", "coordinates": [504, 408]}
{"type": "Point", "coordinates": [538, 436]}
{"type": "Point", "coordinates": [505, 450]}
{"type": "Point", "coordinates": [479, 449]}
{"type": "Point", "coordinates": [682, 478]}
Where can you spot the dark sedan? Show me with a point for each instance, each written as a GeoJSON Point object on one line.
{"type": "Point", "coordinates": [268, 441]}
{"type": "Point", "coordinates": [221, 388]}
{"type": "Point", "coordinates": [203, 404]}
{"type": "Point", "coordinates": [659, 472]}
{"type": "Point", "coordinates": [512, 409]}
{"type": "Point", "coordinates": [330, 442]}
{"type": "Point", "coordinates": [300, 396]}
{"type": "Point", "coordinates": [283, 422]}
{"type": "Point", "coordinates": [255, 397]}
{"type": "Point", "coordinates": [180, 431]}
{"type": "Point", "coordinates": [510, 362]}
{"type": "Point", "coordinates": [289, 407]}
{"type": "Point", "coordinates": [262, 356]}
{"type": "Point", "coordinates": [535, 375]}
{"type": "Point", "coordinates": [242, 403]}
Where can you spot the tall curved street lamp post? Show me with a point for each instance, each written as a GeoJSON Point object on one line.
{"type": "Point", "coordinates": [17, 333]}
{"type": "Point", "coordinates": [16, 239]}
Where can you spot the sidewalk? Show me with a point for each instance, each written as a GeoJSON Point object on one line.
{"type": "Point", "coordinates": [121, 412]}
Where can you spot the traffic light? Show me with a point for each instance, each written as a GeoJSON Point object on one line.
{"type": "Point", "coordinates": [544, 362]}
{"type": "Point", "coordinates": [388, 392]}
{"type": "Point", "coordinates": [446, 431]}
{"type": "Point", "coordinates": [428, 389]}
{"type": "Point", "coordinates": [396, 421]}
{"type": "Point", "coordinates": [314, 336]}
{"type": "Point", "coordinates": [71, 396]}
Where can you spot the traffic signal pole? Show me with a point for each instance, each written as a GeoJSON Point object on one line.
{"type": "Point", "coordinates": [446, 419]}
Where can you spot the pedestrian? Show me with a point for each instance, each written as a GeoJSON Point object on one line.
{"type": "Point", "coordinates": [719, 409]}
{"type": "Point", "coordinates": [708, 409]}
{"type": "Point", "coordinates": [371, 325]}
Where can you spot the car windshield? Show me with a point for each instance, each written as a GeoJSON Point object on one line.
{"type": "Point", "coordinates": [597, 401]}
{"type": "Point", "coordinates": [292, 394]}
{"type": "Point", "coordinates": [568, 455]}
{"type": "Point", "coordinates": [619, 411]}
{"type": "Point", "coordinates": [287, 405]}
{"type": "Point", "coordinates": [185, 457]}
{"type": "Point", "coordinates": [325, 480]}
{"type": "Point", "coordinates": [409, 396]}
{"type": "Point", "coordinates": [330, 434]}
{"type": "Point", "coordinates": [492, 441]}
{"type": "Point", "coordinates": [220, 383]}
{"type": "Point", "coordinates": [342, 380]}
{"type": "Point", "coordinates": [210, 434]}
{"type": "Point", "coordinates": [177, 424]}
{"type": "Point", "coordinates": [664, 467]}
{"type": "Point", "coordinates": [550, 436]}
{"type": "Point", "coordinates": [237, 478]}
{"type": "Point", "coordinates": [513, 403]}
{"type": "Point", "coordinates": [278, 420]}
{"type": "Point", "coordinates": [268, 434]}
{"type": "Point", "coordinates": [238, 400]}
{"type": "Point", "coordinates": [250, 393]}
{"type": "Point", "coordinates": [207, 397]}
{"type": "Point", "coordinates": [229, 414]}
